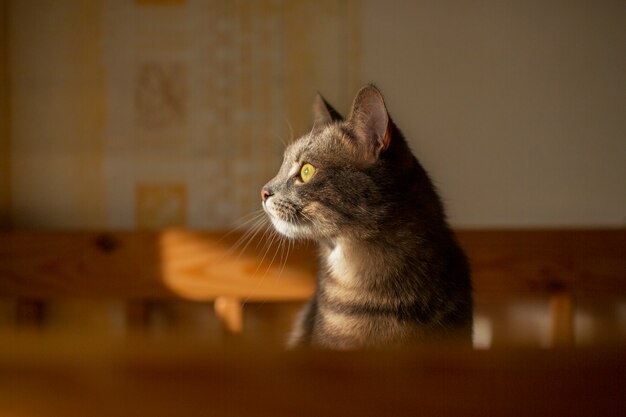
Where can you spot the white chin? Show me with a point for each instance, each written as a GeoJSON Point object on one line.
{"type": "Point", "coordinates": [289, 230]}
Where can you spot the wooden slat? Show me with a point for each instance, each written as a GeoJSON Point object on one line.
{"type": "Point", "coordinates": [202, 266]}
{"type": "Point", "coordinates": [175, 378]}
{"type": "Point", "coordinates": [519, 263]}
{"type": "Point", "coordinates": [147, 265]}
{"type": "Point", "coordinates": [562, 325]}
{"type": "Point", "coordinates": [230, 312]}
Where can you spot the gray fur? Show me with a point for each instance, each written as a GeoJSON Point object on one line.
{"type": "Point", "coordinates": [391, 271]}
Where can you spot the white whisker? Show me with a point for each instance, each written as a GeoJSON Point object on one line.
{"type": "Point", "coordinates": [249, 234]}
{"type": "Point", "coordinates": [254, 217]}
{"type": "Point", "coordinates": [269, 245]}
{"type": "Point", "coordinates": [251, 239]}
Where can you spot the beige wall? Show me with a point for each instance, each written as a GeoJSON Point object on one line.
{"type": "Point", "coordinates": [517, 108]}
{"type": "Point", "coordinates": [131, 114]}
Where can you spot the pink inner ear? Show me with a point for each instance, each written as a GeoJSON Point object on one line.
{"type": "Point", "coordinates": [386, 139]}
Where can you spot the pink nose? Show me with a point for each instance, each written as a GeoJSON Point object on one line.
{"type": "Point", "coordinates": [265, 194]}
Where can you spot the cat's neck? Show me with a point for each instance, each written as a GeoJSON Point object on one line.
{"type": "Point", "coordinates": [352, 261]}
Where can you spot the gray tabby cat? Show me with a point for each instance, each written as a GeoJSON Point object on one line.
{"type": "Point", "coordinates": [391, 272]}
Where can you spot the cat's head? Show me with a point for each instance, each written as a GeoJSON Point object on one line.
{"type": "Point", "coordinates": [332, 181]}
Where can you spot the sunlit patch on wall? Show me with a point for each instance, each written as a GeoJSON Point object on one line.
{"type": "Point", "coordinates": [161, 95]}
{"type": "Point", "coordinates": [159, 206]}
{"type": "Point", "coordinates": [204, 92]}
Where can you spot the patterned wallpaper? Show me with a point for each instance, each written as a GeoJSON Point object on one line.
{"type": "Point", "coordinates": [196, 100]}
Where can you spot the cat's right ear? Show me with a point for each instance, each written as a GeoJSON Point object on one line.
{"type": "Point", "coordinates": [370, 120]}
{"type": "Point", "coordinates": [323, 112]}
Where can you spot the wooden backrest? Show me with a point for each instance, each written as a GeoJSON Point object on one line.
{"type": "Point", "coordinates": [557, 265]}
{"type": "Point", "coordinates": [204, 266]}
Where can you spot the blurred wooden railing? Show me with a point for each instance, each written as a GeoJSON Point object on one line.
{"type": "Point", "coordinates": [78, 373]}
{"type": "Point", "coordinates": [506, 264]}
{"type": "Point", "coordinates": [177, 378]}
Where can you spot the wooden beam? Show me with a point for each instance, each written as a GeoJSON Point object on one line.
{"type": "Point", "coordinates": [527, 263]}
{"type": "Point", "coordinates": [174, 377]}
{"type": "Point", "coordinates": [203, 265]}
{"type": "Point", "coordinates": [145, 265]}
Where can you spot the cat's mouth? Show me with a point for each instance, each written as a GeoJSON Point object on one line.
{"type": "Point", "coordinates": [286, 228]}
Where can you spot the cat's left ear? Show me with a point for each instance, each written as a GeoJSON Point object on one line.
{"type": "Point", "coordinates": [323, 112]}
{"type": "Point", "coordinates": [370, 120]}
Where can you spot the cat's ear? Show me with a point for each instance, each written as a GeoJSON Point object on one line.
{"type": "Point", "coordinates": [323, 112]}
{"type": "Point", "coordinates": [370, 120]}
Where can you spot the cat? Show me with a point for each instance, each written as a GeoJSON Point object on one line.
{"type": "Point", "coordinates": [391, 272]}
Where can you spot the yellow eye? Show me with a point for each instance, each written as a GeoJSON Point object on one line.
{"type": "Point", "coordinates": [306, 173]}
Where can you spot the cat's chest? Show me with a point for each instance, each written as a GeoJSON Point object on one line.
{"type": "Point", "coordinates": [353, 265]}
{"type": "Point", "coordinates": [337, 263]}
{"type": "Point", "coordinates": [341, 265]}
